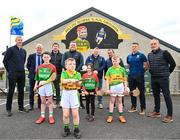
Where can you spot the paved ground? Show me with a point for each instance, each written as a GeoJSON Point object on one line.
{"type": "Point", "coordinates": [22, 126]}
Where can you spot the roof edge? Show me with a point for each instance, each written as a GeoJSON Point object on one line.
{"type": "Point", "coordinates": [107, 16]}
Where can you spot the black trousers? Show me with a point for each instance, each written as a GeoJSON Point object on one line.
{"type": "Point", "coordinates": [159, 84]}
{"type": "Point", "coordinates": [57, 87]}
{"type": "Point", "coordinates": [31, 95]}
{"type": "Point", "coordinates": [137, 81]}
{"type": "Point", "coordinates": [19, 79]}
{"type": "Point", "coordinates": [90, 99]}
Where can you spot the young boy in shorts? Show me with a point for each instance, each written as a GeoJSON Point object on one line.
{"type": "Point", "coordinates": [116, 83]}
{"type": "Point", "coordinates": [90, 87]}
{"type": "Point", "coordinates": [45, 74]}
{"type": "Point", "coordinates": [70, 97]}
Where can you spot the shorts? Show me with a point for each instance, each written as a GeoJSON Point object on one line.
{"type": "Point", "coordinates": [46, 90]}
{"type": "Point", "coordinates": [117, 88]}
{"type": "Point", "coordinates": [70, 99]}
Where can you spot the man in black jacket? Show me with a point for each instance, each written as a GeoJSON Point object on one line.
{"type": "Point", "coordinates": [56, 58]}
{"type": "Point", "coordinates": [14, 61]}
{"type": "Point", "coordinates": [161, 65]}
{"type": "Point", "coordinates": [73, 53]}
{"type": "Point", "coordinates": [33, 61]}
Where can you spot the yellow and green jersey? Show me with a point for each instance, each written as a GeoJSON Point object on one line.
{"type": "Point", "coordinates": [82, 45]}
{"type": "Point", "coordinates": [116, 75]}
{"type": "Point", "coordinates": [67, 75]}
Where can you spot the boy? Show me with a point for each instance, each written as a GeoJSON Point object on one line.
{"type": "Point", "coordinates": [70, 97]}
{"type": "Point", "coordinates": [45, 74]}
{"type": "Point", "coordinates": [116, 83]}
{"type": "Point", "coordinates": [90, 87]}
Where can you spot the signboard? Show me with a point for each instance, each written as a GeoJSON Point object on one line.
{"type": "Point", "coordinates": [91, 32]}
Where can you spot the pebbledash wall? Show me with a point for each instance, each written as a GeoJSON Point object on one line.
{"type": "Point", "coordinates": [124, 31]}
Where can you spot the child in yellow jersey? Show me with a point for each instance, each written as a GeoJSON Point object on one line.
{"type": "Point", "coordinates": [116, 83]}
{"type": "Point", "coordinates": [70, 97]}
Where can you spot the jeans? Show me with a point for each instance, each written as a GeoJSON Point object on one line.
{"type": "Point", "coordinates": [31, 95]}
{"type": "Point", "coordinates": [100, 97]}
{"type": "Point", "coordinates": [158, 84]}
{"type": "Point", "coordinates": [19, 78]}
{"type": "Point", "coordinates": [137, 81]}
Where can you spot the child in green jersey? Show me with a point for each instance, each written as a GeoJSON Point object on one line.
{"type": "Point", "coordinates": [90, 87]}
{"type": "Point", "coordinates": [116, 83]}
{"type": "Point", "coordinates": [70, 80]}
{"type": "Point", "coordinates": [45, 74]}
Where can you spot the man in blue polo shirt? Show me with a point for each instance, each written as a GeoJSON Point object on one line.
{"type": "Point", "coordinates": [137, 63]}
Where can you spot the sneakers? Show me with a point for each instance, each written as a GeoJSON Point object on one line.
{"type": "Point", "coordinates": [133, 109]}
{"type": "Point", "coordinates": [77, 133]}
{"type": "Point", "coordinates": [9, 113]}
{"type": "Point", "coordinates": [82, 106]}
{"type": "Point", "coordinates": [154, 114]}
{"type": "Point", "coordinates": [142, 112]}
{"type": "Point", "coordinates": [31, 109]}
{"type": "Point", "coordinates": [122, 119]}
{"type": "Point", "coordinates": [109, 119]}
{"type": "Point", "coordinates": [51, 120]}
{"type": "Point", "coordinates": [167, 119]}
{"type": "Point", "coordinates": [40, 120]}
{"type": "Point", "coordinates": [100, 106]}
{"type": "Point", "coordinates": [67, 132]}
{"type": "Point", "coordinates": [91, 119]}
{"type": "Point", "coordinates": [23, 110]}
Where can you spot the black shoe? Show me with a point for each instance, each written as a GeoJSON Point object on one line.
{"type": "Point", "coordinates": [77, 133]}
{"type": "Point", "coordinates": [23, 110]}
{"type": "Point", "coordinates": [31, 109]}
{"type": "Point", "coordinates": [82, 106]}
{"type": "Point", "coordinates": [67, 132]}
{"type": "Point", "coordinates": [91, 119]}
{"type": "Point", "coordinates": [9, 113]}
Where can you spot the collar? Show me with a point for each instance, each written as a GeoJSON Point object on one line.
{"type": "Point", "coordinates": [55, 53]}
{"type": "Point", "coordinates": [156, 51]}
{"type": "Point", "coordinates": [135, 53]}
{"type": "Point", "coordinates": [116, 67]}
{"type": "Point", "coordinates": [71, 74]}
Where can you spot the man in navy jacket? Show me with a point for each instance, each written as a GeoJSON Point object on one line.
{"type": "Point", "coordinates": [32, 64]}
{"type": "Point", "coordinates": [14, 61]}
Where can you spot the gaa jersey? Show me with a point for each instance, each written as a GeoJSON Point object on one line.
{"type": "Point", "coordinates": [82, 45]}
{"type": "Point", "coordinates": [44, 72]}
{"type": "Point", "coordinates": [67, 75]}
{"type": "Point", "coordinates": [116, 75]}
{"type": "Point", "coordinates": [90, 82]}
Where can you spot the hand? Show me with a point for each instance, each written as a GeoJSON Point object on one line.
{"type": "Point", "coordinates": [108, 91]}
{"type": "Point", "coordinates": [126, 91]}
{"type": "Point", "coordinates": [35, 88]}
{"type": "Point", "coordinates": [86, 93]}
{"type": "Point", "coordinates": [42, 83]}
{"type": "Point", "coordinates": [95, 71]}
{"type": "Point", "coordinates": [72, 80]}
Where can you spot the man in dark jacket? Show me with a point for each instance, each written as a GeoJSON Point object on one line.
{"type": "Point", "coordinates": [73, 53]}
{"type": "Point", "coordinates": [33, 61]}
{"type": "Point", "coordinates": [161, 65]}
{"type": "Point", "coordinates": [109, 60]}
{"type": "Point", "coordinates": [56, 58]}
{"type": "Point", "coordinates": [98, 63]}
{"type": "Point", "coordinates": [14, 61]}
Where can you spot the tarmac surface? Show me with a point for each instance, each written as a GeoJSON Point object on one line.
{"type": "Point", "coordinates": [22, 125]}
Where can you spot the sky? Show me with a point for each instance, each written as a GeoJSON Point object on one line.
{"type": "Point", "coordinates": [159, 18]}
